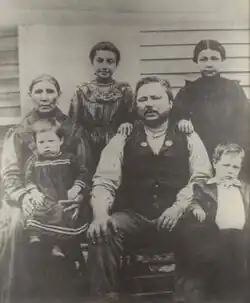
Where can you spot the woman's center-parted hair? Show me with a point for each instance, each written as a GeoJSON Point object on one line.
{"type": "Point", "coordinates": [226, 149]}
{"type": "Point", "coordinates": [46, 125]}
{"type": "Point", "coordinates": [209, 44]}
{"type": "Point", "coordinates": [106, 46]}
{"type": "Point", "coordinates": [165, 84]}
{"type": "Point", "coordinates": [45, 77]}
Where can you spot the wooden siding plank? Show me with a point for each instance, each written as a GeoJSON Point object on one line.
{"type": "Point", "coordinates": [186, 51]}
{"type": "Point", "coordinates": [10, 111]}
{"type": "Point", "coordinates": [8, 57]}
{"type": "Point", "coordinates": [10, 97]}
{"type": "Point", "coordinates": [9, 71]}
{"type": "Point", "coordinates": [186, 66]}
{"type": "Point", "coordinates": [179, 80]}
{"type": "Point", "coordinates": [192, 37]}
{"type": "Point", "coordinates": [8, 31]}
{"type": "Point", "coordinates": [9, 85]}
{"type": "Point", "coordinates": [9, 120]}
{"type": "Point", "coordinates": [7, 103]}
{"type": "Point", "coordinates": [190, 29]}
{"type": "Point", "coordinates": [9, 44]}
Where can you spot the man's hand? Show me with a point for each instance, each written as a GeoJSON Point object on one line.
{"type": "Point", "coordinates": [186, 127]}
{"type": "Point", "coordinates": [37, 197]}
{"type": "Point", "coordinates": [199, 213]}
{"type": "Point", "coordinates": [125, 129]}
{"type": "Point", "coordinates": [169, 218]}
{"type": "Point", "coordinates": [28, 204]}
{"type": "Point", "coordinates": [101, 227]}
{"type": "Point", "coordinates": [73, 192]}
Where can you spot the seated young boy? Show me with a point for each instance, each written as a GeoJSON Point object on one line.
{"type": "Point", "coordinates": [58, 184]}
{"type": "Point", "coordinates": [221, 208]}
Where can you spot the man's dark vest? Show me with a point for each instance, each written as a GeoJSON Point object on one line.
{"type": "Point", "coordinates": [151, 182]}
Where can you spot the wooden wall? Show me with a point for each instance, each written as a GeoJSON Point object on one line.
{"type": "Point", "coordinates": [163, 52]}
{"type": "Point", "coordinates": [9, 76]}
{"type": "Point", "coordinates": [168, 53]}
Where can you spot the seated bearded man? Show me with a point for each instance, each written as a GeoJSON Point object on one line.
{"type": "Point", "coordinates": [142, 185]}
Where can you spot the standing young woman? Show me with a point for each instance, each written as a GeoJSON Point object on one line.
{"type": "Point", "coordinates": [217, 107]}
{"type": "Point", "coordinates": [100, 106]}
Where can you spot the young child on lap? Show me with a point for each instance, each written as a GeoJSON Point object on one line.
{"type": "Point", "coordinates": [58, 182]}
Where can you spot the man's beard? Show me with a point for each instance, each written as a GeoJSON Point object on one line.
{"type": "Point", "coordinates": [156, 122]}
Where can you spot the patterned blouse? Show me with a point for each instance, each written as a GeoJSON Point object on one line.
{"type": "Point", "coordinates": [99, 109]}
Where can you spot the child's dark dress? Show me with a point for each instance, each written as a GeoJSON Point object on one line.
{"type": "Point", "coordinates": [53, 177]}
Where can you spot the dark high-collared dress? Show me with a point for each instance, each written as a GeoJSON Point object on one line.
{"type": "Point", "coordinates": [218, 109]}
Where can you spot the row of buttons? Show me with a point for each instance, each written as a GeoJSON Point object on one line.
{"type": "Point", "coordinates": [155, 196]}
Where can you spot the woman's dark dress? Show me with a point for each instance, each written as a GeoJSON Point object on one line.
{"type": "Point", "coordinates": [99, 109]}
{"type": "Point", "coordinates": [218, 109]}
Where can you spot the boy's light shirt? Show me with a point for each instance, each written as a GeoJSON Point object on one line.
{"type": "Point", "coordinates": [230, 211]}
{"type": "Point", "coordinates": [107, 178]}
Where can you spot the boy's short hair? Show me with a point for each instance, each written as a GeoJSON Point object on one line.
{"type": "Point", "coordinates": [45, 125]}
{"type": "Point", "coordinates": [225, 149]}
{"type": "Point", "coordinates": [153, 79]}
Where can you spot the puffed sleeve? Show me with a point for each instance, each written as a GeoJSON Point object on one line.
{"type": "Point", "coordinates": [29, 174]}
{"type": "Point", "coordinates": [107, 178]}
{"type": "Point", "coordinates": [181, 109]}
{"type": "Point", "coordinates": [241, 114]}
{"type": "Point", "coordinates": [200, 169]}
{"type": "Point", "coordinates": [75, 107]}
{"type": "Point", "coordinates": [82, 175]}
{"type": "Point", "coordinates": [77, 144]}
{"type": "Point", "coordinates": [127, 112]}
{"type": "Point", "coordinates": [11, 174]}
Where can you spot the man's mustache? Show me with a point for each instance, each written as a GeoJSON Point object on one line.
{"type": "Point", "coordinates": [150, 111]}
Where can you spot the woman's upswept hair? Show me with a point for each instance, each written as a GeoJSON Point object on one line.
{"type": "Point", "coordinates": [107, 46]}
{"type": "Point", "coordinates": [153, 79]}
{"type": "Point", "coordinates": [44, 125]}
{"type": "Point", "coordinates": [209, 44]}
{"type": "Point", "coordinates": [48, 78]}
{"type": "Point", "coordinates": [225, 149]}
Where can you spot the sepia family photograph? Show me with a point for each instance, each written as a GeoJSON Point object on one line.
{"type": "Point", "coordinates": [125, 151]}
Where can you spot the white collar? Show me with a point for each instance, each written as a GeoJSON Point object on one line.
{"type": "Point", "coordinates": [158, 131]}
{"type": "Point", "coordinates": [235, 182]}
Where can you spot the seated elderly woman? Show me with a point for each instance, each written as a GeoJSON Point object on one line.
{"type": "Point", "coordinates": [18, 202]}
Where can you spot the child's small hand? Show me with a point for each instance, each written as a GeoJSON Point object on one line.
{"type": "Point", "coordinates": [199, 213]}
{"type": "Point", "coordinates": [75, 207]}
{"type": "Point", "coordinates": [74, 192]}
{"type": "Point", "coordinates": [186, 127]}
{"type": "Point", "coordinates": [125, 129]}
{"type": "Point", "coordinates": [37, 197]}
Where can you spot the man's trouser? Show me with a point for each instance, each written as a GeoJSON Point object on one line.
{"type": "Point", "coordinates": [104, 258]}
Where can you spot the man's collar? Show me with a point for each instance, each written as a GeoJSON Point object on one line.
{"type": "Point", "coordinates": [227, 183]}
{"type": "Point", "coordinates": [157, 130]}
